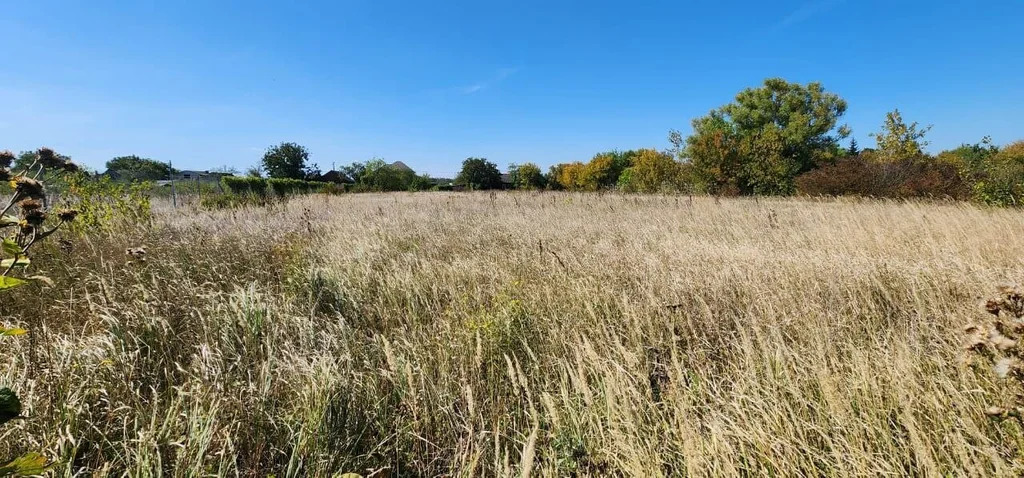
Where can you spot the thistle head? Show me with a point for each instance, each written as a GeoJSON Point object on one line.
{"type": "Point", "coordinates": [6, 158]}
{"type": "Point", "coordinates": [28, 187]}
{"type": "Point", "coordinates": [27, 205]}
{"type": "Point", "coordinates": [67, 215]}
{"type": "Point", "coordinates": [70, 167]}
{"type": "Point", "coordinates": [49, 159]}
{"type": "Point", "coordinates": [35, 217]}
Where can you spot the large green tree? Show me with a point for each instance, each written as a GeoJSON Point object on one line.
{"type": "Point", "coordinates": [378, 175]}
{"type": "Point", "coordinates": [133, 167]}
{"type": "Point", "coordinates": [526, 176]}
{"type": "Point", "coordinates": [286, 160]}
{"type": "Point", "coordinates": [479, 173]}
{"type": "Point", "coordinates": [758, 143]}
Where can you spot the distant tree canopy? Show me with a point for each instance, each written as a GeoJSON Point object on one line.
{"type": "Point", "coordinates": [526, 176]}
{"type": "Point", "coordinates": [134, 168]}
{"type": "Point", "coordinates": [652, 171]}
{"type": "Point", "coordinates": [971, 160]}
{"type": "Point", "coordinates": [377, 175]}
{"type": "Point", "coordinates": [768, 135]}
{"type": "Point", "coordinates": [354, 171]}
{"type": "Point", "coordinates": [287, 160]}
{"type": "Point", "coordinates": [898, 140]}
{"type": "Point", "coordinates": [479, 173]}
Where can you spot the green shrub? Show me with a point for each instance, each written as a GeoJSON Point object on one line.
{"type": "Point", "coordinates": [245, 185]}
{"type": "Point", "coordinates": [331, 188]}
{"type": "Point", "coordinates": [103, 204]}
{"type": "Point", "coordinates": [1002, 181]}
{"type": "Point", "coordinates": [289, 187]}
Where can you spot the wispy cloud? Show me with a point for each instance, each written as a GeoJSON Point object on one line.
{"type": "Point", "coordinates": [806, 11]}
{"type": "Point", "coordinates": [498, 77]}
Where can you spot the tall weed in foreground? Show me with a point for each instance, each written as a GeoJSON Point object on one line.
{"type": "Point", "coordinates": [27, 219]}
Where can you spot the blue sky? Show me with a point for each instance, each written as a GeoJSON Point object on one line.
{"type": "Point", "coordinates": [429, 83]}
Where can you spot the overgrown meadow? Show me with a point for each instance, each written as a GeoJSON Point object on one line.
{"type": "Point", "coordinates": [483, 334]}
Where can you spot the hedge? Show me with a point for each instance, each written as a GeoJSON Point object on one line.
{"type": "Point", "coordinates": [245, 185]}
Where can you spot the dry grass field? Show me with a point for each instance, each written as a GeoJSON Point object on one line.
{"type": "Point", "coordinates": [479, 334]}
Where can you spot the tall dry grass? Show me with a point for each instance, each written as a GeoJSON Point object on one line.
{"type": "Point", "coordinates": [508, 334]}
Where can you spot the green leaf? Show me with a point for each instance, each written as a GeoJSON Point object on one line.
{"type": "Point", "coordinates": [12, 332]}
{"type": "Point", "coordinates": [10, 282]}
{"type": "Point", "coordinates": [10, 247]}
{"type": "Point", "coordinates": [8, 220]}
{"type": "Point", "coordinates": [19, 262]}
{"type": "Point", "coordinates": [10, 405]}
{"type": "Point", "coordinates": [29, 464]}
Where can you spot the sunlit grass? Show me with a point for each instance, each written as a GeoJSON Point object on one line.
{"type": "Point", "coordinates": [495, 334]}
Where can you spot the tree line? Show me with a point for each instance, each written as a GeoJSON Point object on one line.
{"type": "Point", "coordinates": [779, 138]}
{"type": "Point", "coordinates": [785, 138]}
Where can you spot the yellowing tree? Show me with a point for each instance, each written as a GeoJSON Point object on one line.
{"type": "Point", "coordinates": [598, 173]}
{"type": "Point", "coordinates": [899, 141]}
{"type": "Point", "coordinates": [571, 175]}
{"type": "Point", "coordinates": [652, 171]}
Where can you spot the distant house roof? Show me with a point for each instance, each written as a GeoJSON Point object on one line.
{"type": "Point", "coordinates": [199, 175]}
{"type": "Point", "coordinates": [506, 178]}
{"type": "Point", "coordinates": [335, 177]}
{"type": "Point", "coordinates": [400, 166]}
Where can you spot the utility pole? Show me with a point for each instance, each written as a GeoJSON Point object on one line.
{"type": "Point", "coordinates": [170, 175]}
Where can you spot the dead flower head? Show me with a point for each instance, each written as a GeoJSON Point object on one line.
{"type": "Point", "coordinates": [30, 205]}
{"type": "Point", "coordinates": [70, 167]}
{"type": "Point", "coordinates": [49, 159]}
{"type": "Point", "coordinates": [67, 215]}
{"type": "Point", "coordinates": [6, 158]}
{"type": "Point", "coordinates": [28, 187]}
{"type": "Point", "coordinates": [35, 217]}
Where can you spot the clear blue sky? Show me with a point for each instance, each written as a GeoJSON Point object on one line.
{"type": "Point", "coordinates": [430, 83]}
